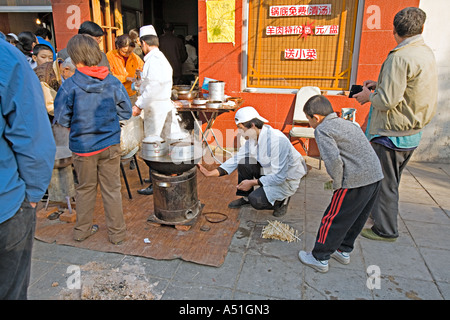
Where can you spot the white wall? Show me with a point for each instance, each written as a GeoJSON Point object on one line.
{"type": "Point", "coordinates": [435, 144]}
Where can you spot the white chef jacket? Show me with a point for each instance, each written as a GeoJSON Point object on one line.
{"type": "Point", "coordinates": [156, 90]}
{"type": "Point", "coordinates": [282, 166]}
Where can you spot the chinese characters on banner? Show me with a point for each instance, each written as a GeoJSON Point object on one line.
{"type": "Point", "coordinates": [300, 10]}
{"type": "Point", "coordinates": [294, 30]}
{"type": "Point", "coordinates": [306, 30]}
{"type": "Point", "coordinates": [327, 30]}
{"type": "Point", "coordinates": [300, 54]}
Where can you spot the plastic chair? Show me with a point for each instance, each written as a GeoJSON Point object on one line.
{"type": "Point", "coordinates": [303, 95]}
{"type": "Point", "coordinates": [126, 159]}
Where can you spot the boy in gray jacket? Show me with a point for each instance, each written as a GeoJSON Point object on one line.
{"type": "Point", "coordinates": [356, 172]}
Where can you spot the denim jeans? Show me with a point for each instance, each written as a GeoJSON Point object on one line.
{"type": "Point", "coordinates": [16, 242]}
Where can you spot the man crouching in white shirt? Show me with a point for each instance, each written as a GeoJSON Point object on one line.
{"type": "Point", "coordinates": [267, 159]}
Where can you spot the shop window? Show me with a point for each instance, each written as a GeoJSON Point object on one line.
{"type": "Point", "coordinates": [292, 44]}
{"type": "Point", "coordinates": [108, 15]}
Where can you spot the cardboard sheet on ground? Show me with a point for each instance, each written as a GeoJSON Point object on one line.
{"type": "Point", "coordinates": [208, 247]}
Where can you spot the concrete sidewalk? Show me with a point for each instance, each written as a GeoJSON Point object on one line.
{"type": "Point", "coordinates": [415, 267]}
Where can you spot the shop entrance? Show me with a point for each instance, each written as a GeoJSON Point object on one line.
{"type": "Point", "coordinates": [182, 14]}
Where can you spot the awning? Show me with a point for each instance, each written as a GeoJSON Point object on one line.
{"type": "Point", "coordinates": [25, 8]}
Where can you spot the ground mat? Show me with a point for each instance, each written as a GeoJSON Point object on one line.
{"type": "Point", "coordinates": [205, 242]}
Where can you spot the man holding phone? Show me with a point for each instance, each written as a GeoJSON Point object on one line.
{"type": "Point", "coordinates": [403, 102]}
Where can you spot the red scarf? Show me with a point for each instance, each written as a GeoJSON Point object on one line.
{"type": "Point", "coordinates": [95, 72]}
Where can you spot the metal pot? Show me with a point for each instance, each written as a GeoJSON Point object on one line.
{"type": "Point", "coordinates": [216, 91]}
{"type": "Point", "coordinates": [154, 149]}
{"type": "Point", "coordinates": [180, 151]}
{"type": "Point", "coordinates": [214, 104]}
{"type": "Point", "coordinates": [182, 87]}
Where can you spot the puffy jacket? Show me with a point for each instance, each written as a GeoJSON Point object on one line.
{"type": "Point", "coordinates": [122, 71]}
{"type": "Point", "coordinates": [405, 99]}
{"type": "Point", "coordinates": [92, 108]}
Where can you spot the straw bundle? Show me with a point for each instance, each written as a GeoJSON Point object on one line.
{"type": "Point", "coordinates": [280, 231]}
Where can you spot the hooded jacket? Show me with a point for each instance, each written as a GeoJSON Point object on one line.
{"type": "Point", "coordinates": [92, 108]}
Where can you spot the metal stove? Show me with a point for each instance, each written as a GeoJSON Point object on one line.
{"type": "Point", "coordinates": [174, 178]}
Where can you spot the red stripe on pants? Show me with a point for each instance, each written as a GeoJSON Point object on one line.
{"type": "Point", "coordinates": [334, 200]}
{"type": "Point", "coordinates": [338, 198]}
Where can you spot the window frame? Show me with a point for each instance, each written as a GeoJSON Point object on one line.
{"type": "Point", "coordinates": [245, 49]}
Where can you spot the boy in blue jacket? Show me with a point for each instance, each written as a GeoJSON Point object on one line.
{"type": "Point", "coordinates": [91, 103]}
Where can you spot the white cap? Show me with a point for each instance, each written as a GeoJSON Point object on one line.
{"type": "Point", "coordinates": [147, 31]}
{"type": "Point", "coordinates": [14, 36]}
{"type": "Point", "coordinates": [246, 114]}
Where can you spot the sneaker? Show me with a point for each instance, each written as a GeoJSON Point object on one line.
{"type": "Point", "coordinates": [94, 230]}
{"type": "Point", "coordinates": [342, 257]}
{"type": "Point", "coordinates": [238, 203]}
{"type": "Point", "coordinates": [369, 234]}
{"type": "Point", "coordinates": [308, 259]}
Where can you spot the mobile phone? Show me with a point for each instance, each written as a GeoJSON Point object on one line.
{"type": "Point", "coordinates": [354, 90]}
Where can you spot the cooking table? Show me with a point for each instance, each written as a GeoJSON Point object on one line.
{"type": "Point", "coordinates": [210, 114]}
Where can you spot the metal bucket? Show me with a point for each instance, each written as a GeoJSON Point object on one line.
{"type": "Point", "coordinates": [175, 197]}
{"type": "Point", "coordinates": [216, 91]}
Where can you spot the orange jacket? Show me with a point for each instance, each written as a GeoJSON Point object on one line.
{"type": "Point", "coordinates": [121, 72]}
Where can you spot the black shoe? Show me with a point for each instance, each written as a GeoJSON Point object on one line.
{"type": "Point", "coordinates": [238, 203]}
{"type": "Point", "coordinates": [280, 208]}
{"type": "Point", "coordinates": [147, 191]}
{"type": "Point", "coordinates": [148, 180]}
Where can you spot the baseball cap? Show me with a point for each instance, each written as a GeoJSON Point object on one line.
{"type": "Point", "coordinates": [14, 36]}
{"type": "Point", "coordinates": [246, 114]}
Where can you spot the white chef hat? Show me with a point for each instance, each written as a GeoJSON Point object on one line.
{"type": "Point", "coordinates": [148, 30]}
{"type": "Point", "coordinates": [246, 114]}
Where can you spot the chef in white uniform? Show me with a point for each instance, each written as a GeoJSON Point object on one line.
{"type": "Point", "coordinates": [160, 119]}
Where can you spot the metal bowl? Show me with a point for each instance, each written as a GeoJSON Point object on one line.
{"type": "Point", "coordinates": [214, 104]}
{"type": "Point", "coordinates": [186, 95]}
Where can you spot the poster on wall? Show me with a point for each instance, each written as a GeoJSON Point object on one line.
{"type": "Point", "coordinates": [220, 21]}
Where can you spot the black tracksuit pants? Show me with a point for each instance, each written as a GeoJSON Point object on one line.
{"type": "Point", "coordinates": [251, 169]}
{"type": "Point", "coordinates": [344, 219]}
